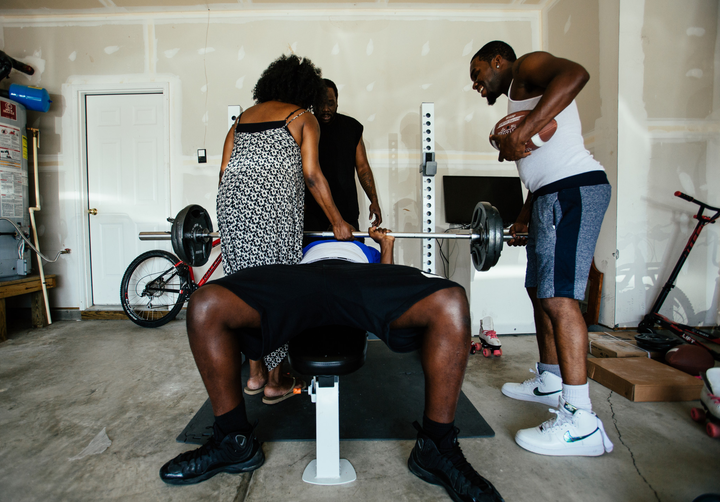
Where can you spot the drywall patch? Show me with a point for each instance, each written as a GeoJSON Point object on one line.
{"type": "Point", "coordinates": [425, 49]}
{"type": "Point", "coordinates": [469, 116]}
{"type": "Point", "coordinates": [425, 87]}
{"type": "Point", "coordinates": [171, 53]}
{"type": "Point", "coordinates": [567, 24]}
{"type": "Point", "coordinates": [239, 82]}
{"type": "Point", "coordinates": [72, 56]}
{"type": "Point", "coordinates": [335, 50]}
{"type": "Point", "coordinates": [371, 118]}
{"type": "Point", "coordinates": [241, 53]}
{"type": "Point", "coordinates": [111, 49]}
{"type": "Point", "coordinates": [370, 47]}
{"type": "Point", "coordinates": [468, 48]}
{"type": "Point", "coordinates": [203, 89]}
{"type": "Point", "coordinates": [205, 50]}
{"type": "Point", "coordinates": [468, 87]}
{"type": "Point", "coordinates": [38, 64]}
{"type": "Point", "coordinates": [694, 73]}
{"type": "Point", "coordinates": [695, 31]}
{"type": "Point", "coordinates": [369, 87]}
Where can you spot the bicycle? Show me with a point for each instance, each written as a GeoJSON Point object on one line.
{"type": "Point", "coordinates": [654, 318]}
{"type": "Point", "coordinates": [156, 286]}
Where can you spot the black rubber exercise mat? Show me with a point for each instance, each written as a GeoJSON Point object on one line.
{"type": "Point", "coordinates": [379, 401]}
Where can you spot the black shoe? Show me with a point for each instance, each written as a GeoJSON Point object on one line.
{"type": "Point", "coordinates": [233, 453]}
{"type": "Point", "coordinates": [450, 469]}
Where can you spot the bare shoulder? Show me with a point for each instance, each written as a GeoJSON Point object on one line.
{"type": "Point", "coordinates": [533, 72]}
{"type": "Point", "coordinates": [527, 64]}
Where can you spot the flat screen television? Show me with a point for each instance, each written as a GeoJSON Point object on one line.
{"type": "Point", "coordinates": [461, 193]}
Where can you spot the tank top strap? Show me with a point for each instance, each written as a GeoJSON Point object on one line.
{"type": "Point", "coordinates": [287, 123]}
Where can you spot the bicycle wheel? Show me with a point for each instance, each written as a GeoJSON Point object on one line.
{"type": "Point", "coordinates": [151, 289]}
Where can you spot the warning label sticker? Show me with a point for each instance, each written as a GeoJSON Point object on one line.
{"type": "Point", "coordinates": [8, 110]}
{"type": "Point", "coordinates": [10, 147]}
{"type": "Point", "coordinates": [13, 184]}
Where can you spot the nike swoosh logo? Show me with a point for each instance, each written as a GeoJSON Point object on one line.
{"type": "Point", "coordinates": [571, 439]}
{"type": "Point", "coordinates": [541, 394]}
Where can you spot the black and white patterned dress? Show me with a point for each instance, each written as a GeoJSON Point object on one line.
{"type": "Point", "coordinates": [260, 202]}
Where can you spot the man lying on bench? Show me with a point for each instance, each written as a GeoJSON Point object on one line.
{"type": "Point", "coordinates": [259, 309]}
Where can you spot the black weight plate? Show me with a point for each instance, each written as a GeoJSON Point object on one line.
{"type": "Point", "coordinates": [176, 234]}
{"type": "Point", "coordinates": [188, 235]}
{"type": "Point", "coordinates": [478, 246]}
{"type": "Point", "coordinates": [478, 255]}
{"type": "Point", "coordinates": [494, 232]}
{"type": "Point", "coordinates": [656, 341]}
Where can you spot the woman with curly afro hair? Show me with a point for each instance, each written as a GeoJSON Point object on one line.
{"type": "Point", "coordinates": [270, 155]}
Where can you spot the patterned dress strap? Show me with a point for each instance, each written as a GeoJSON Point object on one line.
{"type": "Point", "coordinates": [287, 123]}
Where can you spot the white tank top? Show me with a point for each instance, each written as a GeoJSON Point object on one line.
{"type": "Point", "coordinates": [561, 157]}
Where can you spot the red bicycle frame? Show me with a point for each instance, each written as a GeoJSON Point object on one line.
{"type": "Point", "coordinates": [191, 284]}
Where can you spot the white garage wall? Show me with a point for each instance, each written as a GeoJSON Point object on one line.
{"type": "Point", "coordinates": [649, 112]}
{"type": "Point", "coordinates": [386, 63]}
{"type": "Point", "coordinates": [667, 140]}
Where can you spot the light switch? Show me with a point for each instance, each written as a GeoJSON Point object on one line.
{"type": "Point", "coordinates": [234, 112]}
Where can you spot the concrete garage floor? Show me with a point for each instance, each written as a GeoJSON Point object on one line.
{"type": "Point", "coordinates": [61, 385]}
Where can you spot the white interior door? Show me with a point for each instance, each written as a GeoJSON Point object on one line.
{"type": "Point", "coordinates": [128, 180]}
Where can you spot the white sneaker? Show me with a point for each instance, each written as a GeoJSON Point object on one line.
{"type": "Point", "coordinates": [710, 395]}
{"type": "Point", "coordinates": [574, 432]}
{"type": "Point", "coordinates": [544, 388]}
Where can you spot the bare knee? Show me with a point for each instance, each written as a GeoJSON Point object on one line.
{"type": "Point", "coordinates": [203, 305]}
{"type": "Point", "coordinates": [214, 306]}
{"type": "Point", "coordinates": [451, 310]}
{"type": "Point", "coordinates": [559, 307]}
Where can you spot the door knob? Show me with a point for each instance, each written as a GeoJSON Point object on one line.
{"type": "Point", "coordinates": [92, 211]}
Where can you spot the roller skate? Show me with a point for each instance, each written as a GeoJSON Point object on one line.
{"type": "Point", "coordinates": [710, 400]}
{"type": "Point", "coordinates": [489, 342]}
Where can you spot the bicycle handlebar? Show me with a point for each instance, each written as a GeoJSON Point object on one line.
{"type": "Point", "coordinates": [691, 199]}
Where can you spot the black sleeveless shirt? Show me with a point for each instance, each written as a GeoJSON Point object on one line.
{"type": "Point", "coordinates": [338, 142]}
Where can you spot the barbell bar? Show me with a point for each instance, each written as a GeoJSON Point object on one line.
{"type": "Point", "coordinates": [165, 235]}
{"type": "Point", "coordinates": [192, 235]}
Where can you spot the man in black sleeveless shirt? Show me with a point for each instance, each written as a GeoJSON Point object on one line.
{"type": "Point", "coordinates": [341, 153]}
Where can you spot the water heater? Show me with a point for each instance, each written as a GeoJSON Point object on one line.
{"type": "Point", "coordinates": [14, 201]}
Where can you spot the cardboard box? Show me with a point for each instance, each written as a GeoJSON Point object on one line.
{"type": "Point", "coordinates": [641, 379]}
{"type": "Point", "coordinates": [617, 344]}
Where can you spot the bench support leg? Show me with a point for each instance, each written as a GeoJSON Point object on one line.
{"type": "Point", "coordinates": [328, 468]}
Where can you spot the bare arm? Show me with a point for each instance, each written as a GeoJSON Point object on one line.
{"type": "Point", "coordinates": [558, 80]}
{"type": "Point", "coordinates": [227, 150]}
{"type": "Point", "coordinates": [367, 181]}
{"type": "Point", "coordinates": [522, 222]}
{"type": "Point", "coordinates": [316, 182]}
{"type": "Point", "coordinates": [387, 243]}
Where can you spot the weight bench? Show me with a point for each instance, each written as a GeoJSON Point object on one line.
{"type": "Point", "coordinates": [326, 353]}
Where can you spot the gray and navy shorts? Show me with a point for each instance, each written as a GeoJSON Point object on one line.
{"type": "Point", "coordinates": [563, 231]}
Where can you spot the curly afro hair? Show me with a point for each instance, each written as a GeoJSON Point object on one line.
{"type": "Point", "coordinates": [290, 79]}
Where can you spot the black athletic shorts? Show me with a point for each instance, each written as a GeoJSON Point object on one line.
{"type": "Point", "coordinates": [293, 298]}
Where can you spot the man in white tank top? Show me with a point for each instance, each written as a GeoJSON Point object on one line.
{"type": "Point", "coordinates": [569, 194]}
